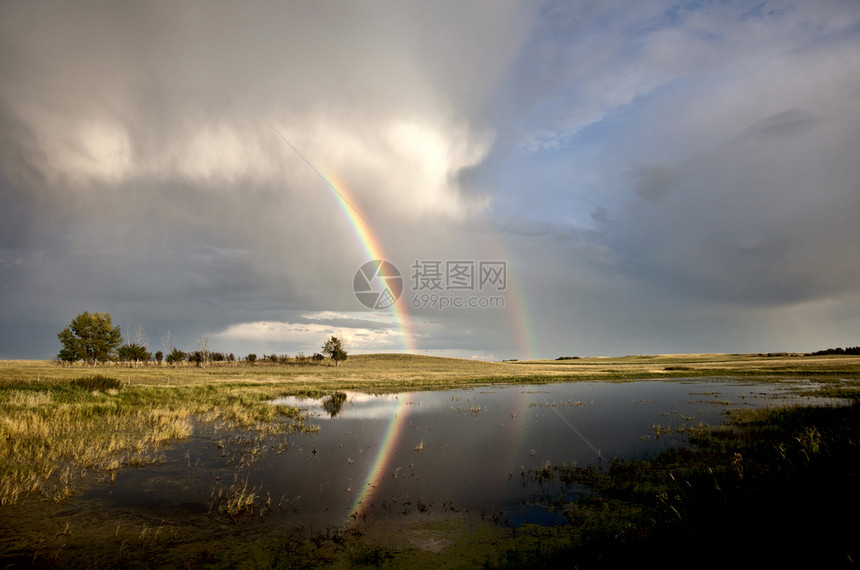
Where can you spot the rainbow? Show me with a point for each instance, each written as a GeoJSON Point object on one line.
{"type": "Point", "coordinates": [368, 236]}
{"type": "Point", "coordinates": [371, 241]}
{"type": "Point", "coordinates": [382, 462]}
{"type": "Point", "coordinates": [520, 321]}
{"type": "Point", "coordinates": [518, 314]}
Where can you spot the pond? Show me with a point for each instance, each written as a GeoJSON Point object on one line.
{"type": "Point", "coordinates": [468, 451]}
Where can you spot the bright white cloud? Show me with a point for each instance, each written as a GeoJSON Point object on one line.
{"type": "Point", "coordinates": [308, 334]}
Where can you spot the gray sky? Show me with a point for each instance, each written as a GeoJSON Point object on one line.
{"type": "Point", "coordinates": [657, 178]}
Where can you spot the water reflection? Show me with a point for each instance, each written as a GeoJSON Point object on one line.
{"type": "Point", "coordinates": [332, 404]}
{"type": "Point", "coordinates": [437, 452]}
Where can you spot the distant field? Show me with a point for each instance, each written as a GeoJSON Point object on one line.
{"type": "Point", "coordinates": [393, 372]}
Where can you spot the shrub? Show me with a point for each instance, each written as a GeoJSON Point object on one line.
{"type": "Point", "coordinates": [97, 382]}
{"type": "Point", "coordinates": [133, 353]}
{"type": "Point", "coordinates": [175, 356]}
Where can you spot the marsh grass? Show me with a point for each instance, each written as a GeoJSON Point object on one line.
{"type": "Point", "coordinates": [239, 499]}
{"type": "Point", "coordinates": [53, 432]}
{"type": "Point", "coordinates": [96, 383]}
{"type": "Point", "coordinates": [779, 485]}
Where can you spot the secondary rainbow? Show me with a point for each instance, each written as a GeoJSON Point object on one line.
{"type": "Point", "coordinates": [517, 308]}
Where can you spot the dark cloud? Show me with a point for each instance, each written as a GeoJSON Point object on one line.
{"type": "Point", "coordinates": [753, 222]}
{"type": "Point", "coordinates": [788, 123]}
{"type": "Point", "coordinates": [641, 169]}
{"type": "Point", "coordinates": [655, 181]}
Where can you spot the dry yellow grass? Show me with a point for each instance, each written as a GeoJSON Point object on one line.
{"type": "Point", "coordinates": [53, 431]}
{"type": "Point", "coordinates": [401, 371]}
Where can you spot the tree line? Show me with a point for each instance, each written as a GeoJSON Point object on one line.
{"type": "Point", "coordinates": [854, 350]}
{"type": "Point", "coordinates": [91, 338]}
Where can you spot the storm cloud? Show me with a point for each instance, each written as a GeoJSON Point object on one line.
{"type": "Point", "coordinates": [657, 178]}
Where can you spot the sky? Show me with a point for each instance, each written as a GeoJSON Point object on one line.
{"type": "Point", "coordinates": [547, 178]}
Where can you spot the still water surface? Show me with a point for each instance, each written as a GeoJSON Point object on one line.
{"type": "Point", "coordinates": [435, 452]}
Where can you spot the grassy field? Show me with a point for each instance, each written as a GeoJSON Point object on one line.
{"type": "Point", "coordinates": [397, 372]}
{"type": "Point", "coordinates": [63, 425]}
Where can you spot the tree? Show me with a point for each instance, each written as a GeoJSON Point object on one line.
{"type": "Point", "coordinates": [175, 356]}
{"type": "Point", "coordinates": [251, 359]}
{"type": "Point", "coordinates": [202, 355]}
{"type": "Point", "coordinates": [90, 337]}
{"type": "Point", "coordinates": [135, 349]}
{"type": "Point", "coordinates": [159, 356]}
{"type": "Point", "coordinates": [334, 348]}
{"type": "Point", "coordinates": [167, 344]}
{"type": "Point", "coordinates": [133, 353]}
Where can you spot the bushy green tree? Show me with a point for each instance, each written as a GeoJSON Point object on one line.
{"type": "Point", "coordinates": [198, 357]}
{"type": "Point", "coordinates": [90, 337]}
{"type": "Point", "coordinates": [133, 353]}
{"type": "Point", "coordinates": [175, 356]}
{"type": "Point", "coordinates": [334, 348]}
